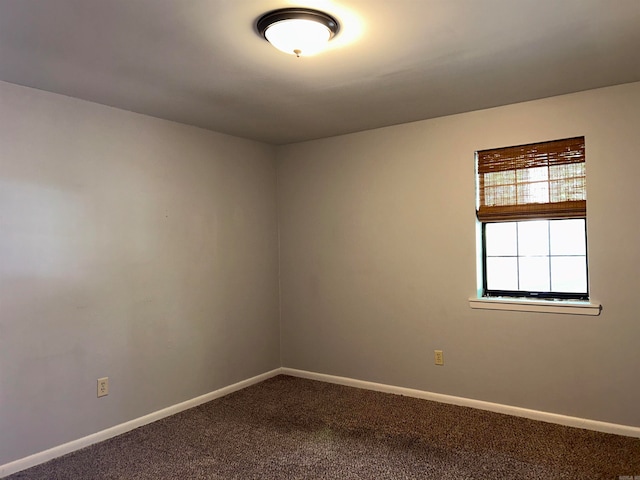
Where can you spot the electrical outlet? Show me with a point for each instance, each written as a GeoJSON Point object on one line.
{"type": "Point", "coordinates": [103, 387]}
{"type": "Point", "coordinates": [438, 357]}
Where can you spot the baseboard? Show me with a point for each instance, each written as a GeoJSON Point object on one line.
{"type": "Point", "coordinates": [46, 455]}
{"type": "Point", "coordinates": [467, 402]}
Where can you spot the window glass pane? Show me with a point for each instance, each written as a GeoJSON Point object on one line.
{"type": "Point", "coordinates": [535, 174]}
{"type": "Point", "coordinates": [567, 189]}
{"type": "Point", "coordinates": [533, 238]}
{"type": "Point", "coordinates": [537, 192]}
{"type": "Point", "coordinates": [566, 171]}
{"type": "Point", "coordinates": [501, 239]}
{"type": "Point", "coordinates": [568, 237]}
{"type": "Point", "coordinates": [503, 195]}
{"type": "Point", "coordinates": [506, 177]}
{"type": "Point", "coordinates": [534, 274]}
{"type": "Point", "coordinates": [569, 274]}
{"type": "Point", "coordinates": [502, 273]}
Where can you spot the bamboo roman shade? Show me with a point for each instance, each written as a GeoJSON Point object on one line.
{"type": "Point", "coordinates": [540, 180]}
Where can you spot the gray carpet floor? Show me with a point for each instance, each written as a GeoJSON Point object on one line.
{"type": "Point", "coordinates": [291, 428]}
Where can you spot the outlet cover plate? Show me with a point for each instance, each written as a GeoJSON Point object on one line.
{"type": "Point", "coordinates": [103, 387]}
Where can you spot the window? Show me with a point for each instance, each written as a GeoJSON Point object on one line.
{"type": "Point", "coordinates": [532, 209]}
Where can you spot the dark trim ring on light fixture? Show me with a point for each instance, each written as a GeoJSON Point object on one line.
{"type": "Point", "coordinates": [281, 14]}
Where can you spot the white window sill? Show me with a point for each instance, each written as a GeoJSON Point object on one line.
{"type": "Point", "coordinates": [542, 306]}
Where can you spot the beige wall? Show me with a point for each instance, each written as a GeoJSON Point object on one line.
{"type": "Point", "coordinates": [133, 248]}
{"type": "Point", "coordinates": [378, 260]}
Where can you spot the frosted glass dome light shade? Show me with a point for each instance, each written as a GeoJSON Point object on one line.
{"type": "Point", "coordinates": [298, 36]}
{"type": "Point", "coordinates": [297, 31]}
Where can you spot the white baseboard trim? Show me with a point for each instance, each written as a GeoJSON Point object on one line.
{"type": "Point", "coordinates": [467, 402]}
{"type": "Point", "coordinates": [46, 455]}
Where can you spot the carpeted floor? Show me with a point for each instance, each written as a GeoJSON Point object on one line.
{"type": "Point", "coordinates": [291, 428]}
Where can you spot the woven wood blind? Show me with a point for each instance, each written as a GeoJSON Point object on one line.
{"type": "Point", "coordinates": [540, 180]}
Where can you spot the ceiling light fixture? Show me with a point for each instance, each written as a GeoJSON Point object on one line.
{"type": "Point", "coordinates": [298, 31]}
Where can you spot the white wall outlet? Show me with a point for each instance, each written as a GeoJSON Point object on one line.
{"type": "Point", "coordinates": [103, 387]}
{"type": "Point", "coordinates": [438, 357]}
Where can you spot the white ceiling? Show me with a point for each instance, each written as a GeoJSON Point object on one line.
{"type": "Point", "coordinates": [201, 62]}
